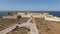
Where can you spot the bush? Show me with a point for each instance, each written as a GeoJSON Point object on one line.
{"type": "Point", "coordinates": [18, 17]}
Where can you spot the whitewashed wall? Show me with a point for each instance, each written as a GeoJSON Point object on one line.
{"type": "Point", "coordinates": [9, 17]}
{"type": "Point", "coordinates": [52, 19]}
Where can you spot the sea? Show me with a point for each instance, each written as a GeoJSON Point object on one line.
{"type": "Point", "coordinates": [54, 13]}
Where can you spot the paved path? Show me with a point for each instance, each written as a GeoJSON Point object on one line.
{"type": "Point", "coordinates": [8, 29]}
{"type": "Point", "coordinates": [31, 26]}
{"type": "Point", "coordinates": [29, 20]}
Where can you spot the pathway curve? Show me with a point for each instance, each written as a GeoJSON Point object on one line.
{"type": "Point", "coordinates": [31, 26]}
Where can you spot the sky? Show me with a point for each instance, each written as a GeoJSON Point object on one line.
{"type": "Point", "coordinates": [29, 5]}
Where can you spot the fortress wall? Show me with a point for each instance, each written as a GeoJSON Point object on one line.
{"type": "Point", "coordinates": [52, 19]}
{"type": "Point", "coordinates": [9, 17]}
{"type": "Point", "coordinates": [21, 13]}
{"type": "Point", "coordinates": [25, 16]}
{"type": "Point", "coordinates": [38, 16]}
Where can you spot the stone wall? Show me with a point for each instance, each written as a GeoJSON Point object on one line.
{"type": "Point", "coordinates": [52, 19]}
{"type": "Point", "coordinates": [10, 17]}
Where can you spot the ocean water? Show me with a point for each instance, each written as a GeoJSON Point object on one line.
{"type": "Point", "coordinates": [54, 13]}
{"type": "Point", "coordinates": [2, 13]}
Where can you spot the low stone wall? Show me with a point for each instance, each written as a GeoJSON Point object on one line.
{"type": "Point", "coordinates": [52, 19]}
{"type": "Point", "coordinates": [38, 16]}
{"type": "Point", "coordinates": [25, 16]}
{"type": "Point", "coordinates": [10, 17]}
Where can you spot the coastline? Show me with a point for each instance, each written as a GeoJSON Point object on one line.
{"type": "Point", "coordinates": [54, 13]}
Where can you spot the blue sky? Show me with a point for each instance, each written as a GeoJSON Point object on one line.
{"type": "Point", "coordinates": [30, 5]}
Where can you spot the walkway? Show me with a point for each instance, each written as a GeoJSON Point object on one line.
{"type": "Point", "coordinates": [31, 26]}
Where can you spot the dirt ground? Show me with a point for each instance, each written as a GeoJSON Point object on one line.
{"type": "Point", "coordinates": [19, 31]}
{"type": "Point", "coordinates": [47, 27]}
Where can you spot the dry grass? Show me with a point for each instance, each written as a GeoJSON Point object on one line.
{"type": "Point", "coordinates": [44, 27]}
{"type": "Point", "coordinates": [19, 31]}
{"type": "Point", "coordinates": [47, 27]}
